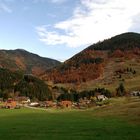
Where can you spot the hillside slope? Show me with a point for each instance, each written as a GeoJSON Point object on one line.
{"type": "Point", "coordinates": [25, 61]}
{"type": "Point", "coordinates": [103, 63]}
{"type": "Point", "coordinates": [15, 84]}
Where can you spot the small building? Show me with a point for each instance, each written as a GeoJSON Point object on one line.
{"type": "Point", "coordinates": [26, 101]}
{"type": "Point", "coordinates": [34, 104]}
{"type": "Point", "coordinates": [49, 104]}
{"type": "Point", "coordinates": [66, 104]}
{"type": "Point", "coordinates": [23, 100]}
{"type": "Point", "coordinates": [101, 97]}
{"type": "Point", "coordinates": [11, 104]}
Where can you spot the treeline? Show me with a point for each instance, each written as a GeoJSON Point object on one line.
{"type": "Point", "coordinates": [123, 42]}
{"type": "Point", "coordinates": [7, 79]}
{"type": "Point", "coordinates": [125, 70]}
{"type": "Point", "coordinates": [16, 84]}
{"type": "Point", "coordinates": [33, 88]}
{"type": "Point", "coordinates": [74, 96]}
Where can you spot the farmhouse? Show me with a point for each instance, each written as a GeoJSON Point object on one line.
{"type": "Point", "coordinates": [66, 104]}
{"type": "Point", "coordinates": [49, 104]}
{"type": "Point", "coordinates": [23, 100]}
{"type": "Point", "coordinates": [11, 104]}
{"type": "Point", "coordinates": [34, 104]}
{"type": "Point", "coordinates": [101, 97]}
{"type": "Point", "coordinates": [26, 101]}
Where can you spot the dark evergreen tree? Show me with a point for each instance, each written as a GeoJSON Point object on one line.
{"type": "Point", "coordinates": [120, 90]}
{"type": "Point", "coordinates": [34, 88]}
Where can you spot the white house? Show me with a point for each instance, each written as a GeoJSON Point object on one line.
{"type": "Point", "coordinates": [101, 97]}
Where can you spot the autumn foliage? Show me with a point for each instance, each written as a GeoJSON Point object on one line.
{"type": "Point", "coordinates": [81, 68]}
{"type": "Point", "coordinates": [90, 63]}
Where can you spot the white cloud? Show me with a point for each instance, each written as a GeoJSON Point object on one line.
{"type": "Point", "coordinates": [91, 21]}
{"type": "Point", "coordinates": [5, 8]}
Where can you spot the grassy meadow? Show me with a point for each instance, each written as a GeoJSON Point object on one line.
{"type": "Point", "coordinates": [109, 81]}
{"type": "Point", "coordinates": [118, 121]}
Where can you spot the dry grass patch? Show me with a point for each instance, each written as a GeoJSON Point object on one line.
{"type": "Point", "coordinates": [126, 108]}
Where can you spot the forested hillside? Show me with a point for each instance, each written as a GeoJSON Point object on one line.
{"type": "Point", "coordinates": [93, 62]}
{"type": "Point", "coordinates": [14, 84]}
{"type": "Point", "coordinates": [126, 41]}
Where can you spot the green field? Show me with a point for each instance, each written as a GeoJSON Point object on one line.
{"type": "Point", "coordinates": [118, 121]}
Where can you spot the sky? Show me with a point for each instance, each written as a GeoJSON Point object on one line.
{"type": "Point", "coordinates": [59, 29]}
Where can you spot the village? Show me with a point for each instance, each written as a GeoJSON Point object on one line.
{"type": "Point", "coordinates": [19, 102]}
{"type": "Point", "coordinates": [83, 103]}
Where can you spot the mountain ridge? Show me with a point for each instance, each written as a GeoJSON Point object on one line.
{"type": "Point", "coordinates": [25, 61]}
{"type": "Point", "coordinates": [92, 63]}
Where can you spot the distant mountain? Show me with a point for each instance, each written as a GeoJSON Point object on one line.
{"type": "Point", "coordinates": [25, 61]}
{"type": "Point", "coordinates": [100, 62]}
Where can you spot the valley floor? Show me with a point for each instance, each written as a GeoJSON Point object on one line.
{"type": "Point", "coordinates": [118, 121]}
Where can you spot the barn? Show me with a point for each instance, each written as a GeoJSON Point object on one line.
{"type": "Point", "coordinates": [11, 104]}
{"type": "Point", "coordinates": [66, 104]}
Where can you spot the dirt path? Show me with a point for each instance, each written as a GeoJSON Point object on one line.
{"type": "Point", "coordinates": [35, 108]}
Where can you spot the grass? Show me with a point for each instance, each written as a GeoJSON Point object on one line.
{"type": "Point", "coordinates": [109, 81]}
{"type": "Point", "coordinates": [118, 121]}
